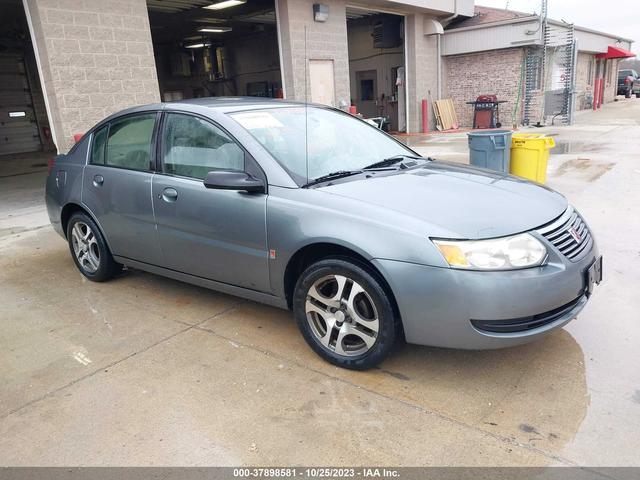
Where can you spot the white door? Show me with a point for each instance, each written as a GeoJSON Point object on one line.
{"type": "Point", "coordinates": [322, 82]}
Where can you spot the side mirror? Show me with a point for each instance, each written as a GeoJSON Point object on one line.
{"type": "Point", "coordinates": [232, 180]}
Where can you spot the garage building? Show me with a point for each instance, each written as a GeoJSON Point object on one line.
{"type": "Point", "coordinates": [86, 59]}
{"type": "Point", "coordinates": [544, 69]}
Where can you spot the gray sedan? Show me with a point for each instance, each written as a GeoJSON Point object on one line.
{"type": "Point", "coordinates": [311, 209]}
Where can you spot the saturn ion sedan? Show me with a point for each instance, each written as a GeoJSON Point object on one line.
{"type": "Point", "coordinates": [311, 209]}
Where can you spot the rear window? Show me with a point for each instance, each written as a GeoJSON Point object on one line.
{"type": "Point", "coordinates": [97, 146]}
{"type": "Point", "coordinates": [624, 73]}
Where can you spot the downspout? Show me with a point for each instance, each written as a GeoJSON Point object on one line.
{"type": "Point", "coordinates": [444, 22]}
{"type": "Point", "coordinates": [455, 15]}
{"type": "Point", "coordinates": [439, 68]}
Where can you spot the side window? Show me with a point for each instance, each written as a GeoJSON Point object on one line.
{"type": "Point", "coordinates": [193, 147]}
{"type": "Point", "coordinates": [97, 146]}
{"type": "Point", "coordinates": [129, 142]}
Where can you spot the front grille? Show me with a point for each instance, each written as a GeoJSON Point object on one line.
{"type": "Point", "coordinates": [526, 323]}
{"type": "Point", "coordinates": [569, 234]}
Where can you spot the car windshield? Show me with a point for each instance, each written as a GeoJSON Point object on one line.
{"type": "Point", "coordinates": [336, 141]}
{"type": "Point", "coordinates": [624, 73]}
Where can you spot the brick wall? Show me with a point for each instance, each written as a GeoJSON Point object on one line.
{"type": "Point", "coordinates": [585, 77]}
{"type": "Point", "coordinates": [585, 73]}
{"type": "Point", "coordinates": [96, 58]}
{"type": "Point", "coordinates": [325, 41]}
{"type": "Point", "coordinates": [495, 72]}
{"type": "Point", "coordinates": [611, 81]}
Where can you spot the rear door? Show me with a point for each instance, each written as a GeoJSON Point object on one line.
{"type": "Point", "coordinates": [117, 185]}
{"type": "Point", "coordinates": [215, 234]}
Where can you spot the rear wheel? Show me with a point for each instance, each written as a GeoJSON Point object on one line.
{"type": "Point", "coordinates": [628, 93]}
{"type": "Point", "coordinates": [89, 249]}
{"type": "Point", "coordinates": [345, 314]}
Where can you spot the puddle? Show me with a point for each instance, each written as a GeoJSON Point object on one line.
{"type": "Point", "coordinates": [575, 147]}
{"type": "Point", "coordinates": [585, 167]}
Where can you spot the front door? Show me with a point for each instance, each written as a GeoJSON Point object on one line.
{"type": "Point", "coordinates": [117, 186]}
{"type": "Point", "coordinates": [215, 234]}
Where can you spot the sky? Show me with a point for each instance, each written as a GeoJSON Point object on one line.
{"type": "Point", "coordinates": [622, 20]}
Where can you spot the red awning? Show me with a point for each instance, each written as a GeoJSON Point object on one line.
{"type": "Point", "coordinates": [616, 52]}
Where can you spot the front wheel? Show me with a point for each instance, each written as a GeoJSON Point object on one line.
{"type": "Point", "coordinates": [89, 249]}
{"type": "Point", "coordinates": [345, 314]}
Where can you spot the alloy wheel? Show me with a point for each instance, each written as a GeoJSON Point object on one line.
{"type": "Point", "coordinates": [85, 247]}
{"type": "Point", "coordinates": [342, 315]}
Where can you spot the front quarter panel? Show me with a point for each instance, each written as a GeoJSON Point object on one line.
{"type": "Point", "coordinates": [300, 217]}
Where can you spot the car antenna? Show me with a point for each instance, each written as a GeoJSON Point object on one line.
{"type": "Point", "coordinates": [306, 101]}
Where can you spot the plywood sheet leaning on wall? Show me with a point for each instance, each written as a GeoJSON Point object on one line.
{"type": "Point", "coordinates": [445, 113]}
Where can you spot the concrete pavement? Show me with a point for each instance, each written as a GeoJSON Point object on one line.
{"type": "Point", "coordinates": [148, 371]}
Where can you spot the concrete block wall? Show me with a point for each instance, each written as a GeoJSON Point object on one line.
{"type": "Point", "coordinates": [95, 57]}
{"type": "Point", "coordinates": [495, 72]}
{"type": "Point", "coordinates": [325, 41]}
{"type": "Point", "coordinates": [421, 68]}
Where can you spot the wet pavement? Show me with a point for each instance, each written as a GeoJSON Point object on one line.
{"type": "Point", "coordinates": [149, 371]}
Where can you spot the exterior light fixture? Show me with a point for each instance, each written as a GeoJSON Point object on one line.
{"type": "Point", "coordinates": [214, 29]}
{"type": "Point", "coordinates": [320, 12]}
{"type": "Point", "coordinates": [225, 4]}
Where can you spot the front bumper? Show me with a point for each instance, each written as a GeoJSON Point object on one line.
{"type": "Point", "coordinates": [438, 305]}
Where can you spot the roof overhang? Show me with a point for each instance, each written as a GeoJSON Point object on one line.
{"type": "Point", "coordinates": [615, 52]}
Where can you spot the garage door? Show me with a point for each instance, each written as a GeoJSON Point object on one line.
{"type": "Point", "coordinates": [18, 127]}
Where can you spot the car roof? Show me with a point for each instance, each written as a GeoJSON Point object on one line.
{"type": "Point", "coordinates": [220, 104]}
{"type": "Point", "coordinates": [226, 104]}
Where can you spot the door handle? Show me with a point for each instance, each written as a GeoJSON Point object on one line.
{"type": "Point", "coordinates": [169, 195]}
{"type": "Point", "coordinates": [98, 180]}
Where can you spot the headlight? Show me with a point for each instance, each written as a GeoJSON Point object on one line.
{"type": "Point", "coordinates": [507, 253]}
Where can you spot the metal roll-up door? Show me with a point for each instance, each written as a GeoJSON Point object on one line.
{"type": "Point", "coordinates": [18, 127]}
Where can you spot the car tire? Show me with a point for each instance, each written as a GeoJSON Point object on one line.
{"type": "Point", "coordinates": [89, 249]}
{"type": "Point", "coordinates": [345, 313]}
{"type": "Point", "coordinates": [627, 94]}
{"type": "Point", "coordinates": [638, 95]}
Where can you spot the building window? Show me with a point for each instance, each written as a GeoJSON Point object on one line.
{"type": "Point", "coordinates": [366, 89]}
{"type": "Point", "coordinates": [534, 71]}
{"type": "Point", "coordinates": [590, 71]}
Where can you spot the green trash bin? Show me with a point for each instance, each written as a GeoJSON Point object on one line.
{"type": "Point", "coordinates": [490, 149]}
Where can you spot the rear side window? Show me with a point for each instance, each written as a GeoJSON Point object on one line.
{"type": "Point", "coordinates": [97, 146]}
{"type": "Point", "coordinates": [129, 142]}
{"type": "Point", "coordinates": [193, 147]}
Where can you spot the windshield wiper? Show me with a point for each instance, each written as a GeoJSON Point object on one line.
{"type": "Point", "coordinates": [387, 162]}
{"type": "Point", "coordinates": [332, 176]}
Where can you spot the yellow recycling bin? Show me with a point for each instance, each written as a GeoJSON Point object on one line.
{"type": "Point", "coordinates": [529, 155]}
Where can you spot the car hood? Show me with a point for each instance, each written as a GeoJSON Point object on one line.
{"type": "Point", "coordinates": [469, 202]}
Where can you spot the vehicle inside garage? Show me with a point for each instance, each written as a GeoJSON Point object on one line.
{"type": "Point", "coordinates": [23, 119]}
{"type": "Point", "coordinates": [377, 66]}
{"type": "Point", "coordinates": [225, 48]}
